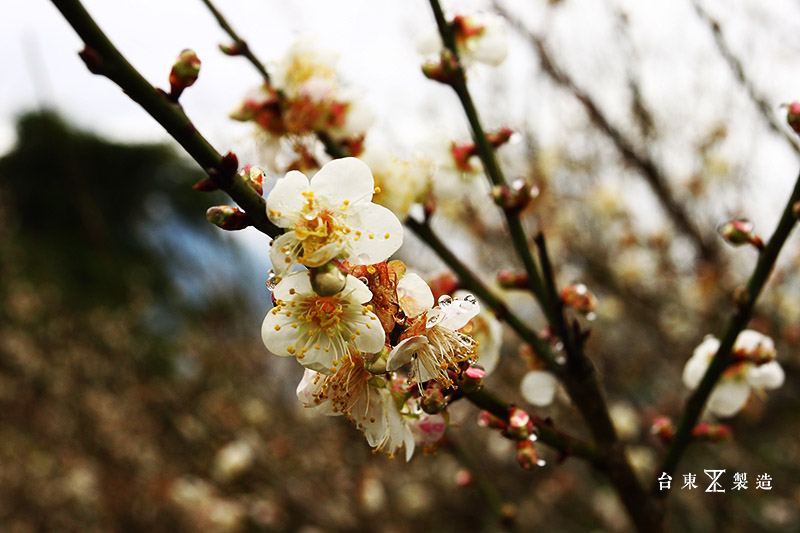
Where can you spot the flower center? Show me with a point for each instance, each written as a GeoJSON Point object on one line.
{"type": "Point", "coordinates": [325, 312]}
{"type": "Point", "coordinates": [316, 228]}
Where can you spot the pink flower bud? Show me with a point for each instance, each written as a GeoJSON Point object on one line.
{"type": "Point", "coordinates": [712, 432]}
{"type": "Point", "coordinates": [663, 428]}
{"type": "Point", "coordinates": [520, 426]}
{"type": "Point", "coordinates": [445, 71]}
{"type": "Point", "coordinates": [500, 137]}
{"type": "Point", "coordinates": [579, 297]}
{"type": "Point", "coordinates": [527, 457]}
{"type": "Point", "coordinates": [488, 420]}
{"type": "Point", "coordinates": [512, 280]}
{"type": "Point", "coordinates": [432, 399]}
{"type": "Point", "coordinates": [739, 231]}
{"type": "Point", "coordinates": [227, 217]}
{"type": "Point", "coordinates": [471, 379]}
{"type": "Point", "coordinates": [253, 176]}
{"type": "Point", "coordinates": [184, 72]}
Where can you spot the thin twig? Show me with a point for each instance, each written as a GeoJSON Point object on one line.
{"type": "Point", "coordinates": [241, 44]}
{"type": "Point", "coordinates": [737, 322]}
{"type": "Point", "coordinates": [646, 166]}
{"type": "Point", "coordinates": [103, 58]}
{"type": "Point", "coordinates": [581, 381]}
{"type": "Point", "coordinates": [736, 66]}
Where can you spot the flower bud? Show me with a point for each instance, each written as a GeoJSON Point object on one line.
{"type": "Point", "coordinates": [579, 297]}
{"type": "Point", "coordinates": [328, 279]}
{"type": "Point", "coordinates": [231, 49]}
{"type": "Point", "coordinates": [445, 71]}
{"type": "Point", "coordinates": [793, 116]}
{"type": "Point", "coordinates": [227, 217]}
{"type": "Point", "coordinates": [471, 379]}
{"type": "Point", "coordinates": [512, 280]}
{"type": "Point", "coordinates": [712, 432]}
{"type": "Point", "coordinates": [464, 478]}
{"type": "Point", "coordinates": [432, 399]}
{"type": "Point", "coordinates": [462, 152]}
{"type": "Point", "coordinates": [254, 176]}
{"type": "Point", "coordinates": [516, 197]}
{"type": "Point", "coordinates": [663, 428]}
{"type": "Point", "coordinates": [527, 457]}
{"type": "Point", "coordinates": [184, 72]}
{"type": "Point", "coordinates": [206, 185]}
{"type": "Point", "coordinates": [488, 420]}
{"type": "Point", "coordinates": [739, 231]}
{"type": "Point", "coordinates": [500, 137]}
{"type": "Point", "coordinates": [520, 425]}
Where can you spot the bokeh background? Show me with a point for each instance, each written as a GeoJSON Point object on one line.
{"type": "Point", "coordinates": [135, 391]}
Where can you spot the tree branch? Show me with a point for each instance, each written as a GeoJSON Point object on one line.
{"type": "Point", "coordinates": [240, 43]}
{"type": "Point", "coordinates": [738, 70]}
{"type": "Point", "coordinates": [737, 322]}
{"type": "Point", "coordinates": [649, 170]}
{"type": "Point", "coordinates": [102, 57]}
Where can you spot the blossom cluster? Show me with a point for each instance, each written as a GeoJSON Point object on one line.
{"type": "Point", "coordinates": [377, 348]}
{"type": "Point", "coordinates": [753, 368]}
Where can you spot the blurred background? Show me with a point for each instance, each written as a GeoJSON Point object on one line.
{"type": "Point", "coordinates": [136, 393]}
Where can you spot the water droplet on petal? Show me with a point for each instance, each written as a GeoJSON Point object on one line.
{"type": "Point", "coordinates": [272, 280]}
{"type": "Point", "coordinates": [364, 259]}
{"type": "Point", "coordinates": [363, 279]}
{"type": "Point", "coordinates": [445, 300]}
{"type": "Point", "coordinates": [470, 299]}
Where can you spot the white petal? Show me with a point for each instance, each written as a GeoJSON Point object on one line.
{"type": "Point", "coordinates": [286, 198]}
{"type": "Point", "coordinates": [492, 45]}
{"type": "Point", "coordinates": [408, 441]}
{"type": "Point", "coordinates": [305, 391]}
{"type": "Point", "coordinates": [343, 179]}
{"type": "Point", "coordinates": [694, 370]}
{"type": "Point", "coordinates": [282, 262]}
{"type": "Point", "coordinates": [414, 295]}
{"type": "Point", "coordinates": [404, 351]}
{"type": "Point", "coordinates": [369, 339]}
{"type": "Point", "coordinates": [728, 398]}
{"type": "Point", "coordinates": [708, 348]}
{"type": "Point", "coordinates": [356, 290]}
{"type": "Point", "coordinates": [754, 343]}
{"type": "Point", "coordinates": [767, 376]}
{"type": "Point", "coordinates": [538, 387]}
{"type": "Point", "coordinates": [458, 313]}
{"type": "Point", "coordinates": [278, 335]}
{"type": "Point", "coordinates": [299, 283]}
{"type": "Point", "coordinates": [317, 357]}
{"type": "Point", "coordinates": [381, 234]}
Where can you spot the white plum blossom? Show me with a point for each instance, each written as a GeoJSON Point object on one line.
{"type": "Point", "coordinates": [733, 390]}
{"type": "Point", "coordinates": [402, 182]}
{"type": "Point", "coordinates": [538, 387]}
{"type": "Point", "coordinates": [433, 342]}
{"type": "Point", "coordinates": [363, 398]}
{"type": "Point", "coordinates": [304, 60]}
{"type": "Point", "coordinates": [318, 330]}
{"type": "Point", "coordinates": [481, 38]}
{"type": "Point", "coordinates": [331, 215]}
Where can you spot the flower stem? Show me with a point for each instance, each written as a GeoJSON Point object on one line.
{"type": "Point", "coordinates": [240, 43]}
{"type": "Point", "coordinates": [103, 58]}
{"type": "Point", "coordinates": [737, 322]}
